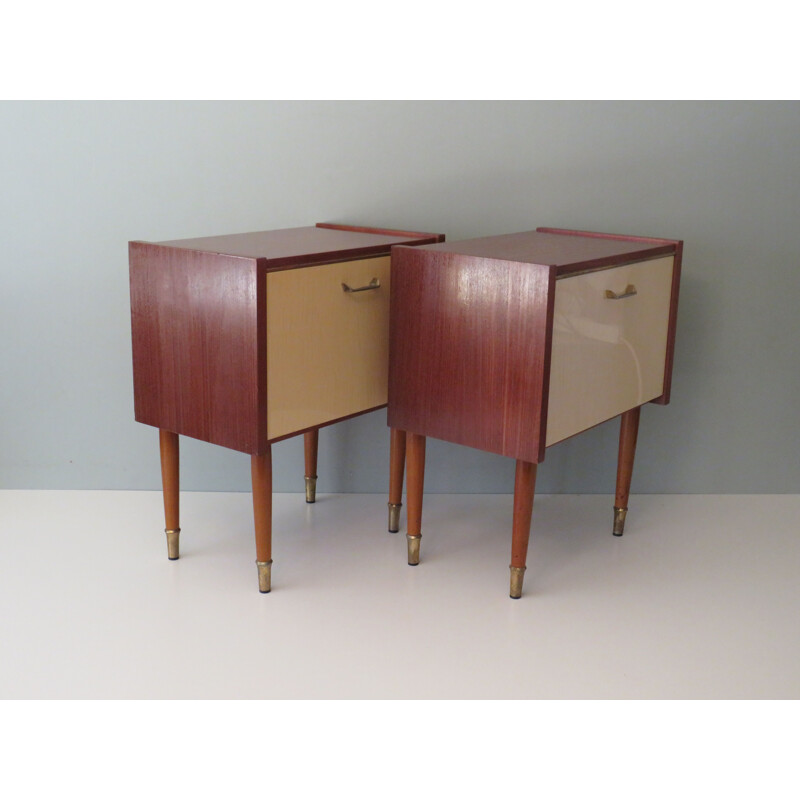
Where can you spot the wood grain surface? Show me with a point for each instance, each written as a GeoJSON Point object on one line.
{"type": "Point", "coordinates": [199, 364]}
{"type": "Point", "coordinates": [470, 350]}
{"type": "Point", "coordinates": [315, 244]}
{"type": "Point", "coordinates": [567, 251]}
{"type": "Point", "coordinates": [419, 237]}
{"type": "Point", "coordinates": [199, 321]}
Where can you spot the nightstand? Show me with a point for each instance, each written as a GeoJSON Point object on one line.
{"type": "Point", "coordinates": [247, 339]}
{"type": "Point", "coordinates": [513, 343]}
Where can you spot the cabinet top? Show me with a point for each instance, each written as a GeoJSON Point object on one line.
{"type": "Point", "coordinates": [317, 244]}
{"type": "Point", "coordinates": [566, 250]}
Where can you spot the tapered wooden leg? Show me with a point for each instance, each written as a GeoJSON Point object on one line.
{"type": "Point", "coordinates": [311, 444]}
{"type": "Point", "coordinates": [397, 464]}
{"type": "Point", "coordinates": [628, 431]}
{"type": "Point", "coordinates": [416, 482]}
{"type": "Point", "coordinates": [261, 468]}
{"type": "Point", "coordinates": [524, 483]}
{"type": "Point", "coordinates": [170, 482]}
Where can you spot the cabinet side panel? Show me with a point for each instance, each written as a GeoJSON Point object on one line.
{"type": "Point", "coordinates": [194, 324]}
{"type": "Point", "coordinates": [673, 322]}
{"type": "Point", "coordinates": [470, 350]}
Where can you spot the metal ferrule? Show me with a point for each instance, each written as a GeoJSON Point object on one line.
{"type": "Point", "coordinates": [619, 520]}
{"type": "Point", "coordinates": [394, 517]}
{"type": "Point", "coordinates": [517, 576]}
{"type": "Point", "coordinates": [311, 489]}
{"type": "Point", "coordinates": [264, 576]}
{"type": "Point", "coordinates": [173, 542]}
{"type": "Point", "coordinates": [413, 549]}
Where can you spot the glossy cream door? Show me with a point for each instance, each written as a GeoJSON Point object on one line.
{"type": "Point", "coordinates": [608, 354]}
{"type": "Point", "coordinates": [327, 349]}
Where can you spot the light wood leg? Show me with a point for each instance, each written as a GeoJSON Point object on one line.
{"type": "Point", "coordinates": [261, 469]}
{"type": "Point", "coordinates": [524, 484]}
{"type": "Point", "coordinates": [416, 482]}
{"type": "Point", "coordinates": [397, 464]}
{"type": "Point", "coordinates": [311, 445]}
{"type": "Point", "coordinates": [170, 482]}
{"type": "Point", "coordinates": [628, 431]}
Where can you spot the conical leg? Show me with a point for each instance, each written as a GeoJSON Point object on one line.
{"type": "Point", "coordinates": [311, 447]}
{"type": "Point", "coordinates": [170, 482]}
{"type": "Point", "coordinates": [524, 483]}
{"type": "Point", "coordinates": [397, 463]}
{"type": "Point", "coordinates": [628, 432]}
{"type": "Point", "coordinates": [416, 482]}
{"type": "Point", "coordinates": [261, 469]}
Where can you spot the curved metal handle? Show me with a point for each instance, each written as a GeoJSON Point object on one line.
{"type": "Point", "coordinates": [630, 291]}
{"type": "Point", "coordinates": [373, 284]}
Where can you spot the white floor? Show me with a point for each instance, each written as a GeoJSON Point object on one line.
{"type": "Point", "coordinates": [699, 599]}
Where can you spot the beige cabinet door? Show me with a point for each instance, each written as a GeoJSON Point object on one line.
{"type": "Point", "coordinates": [327, 348]}
{"type": "Point", "coordinates": [608, 351]}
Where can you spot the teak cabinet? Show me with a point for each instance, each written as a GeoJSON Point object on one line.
{"type": "Point", "coordinates": [512, 343]}
{"type": "Point", "coordinates": [246, 339]}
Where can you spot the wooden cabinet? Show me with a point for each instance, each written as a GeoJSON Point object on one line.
{"type": "Point", "coordinates": [245, 339]}
{"type": "Point", "coordinates": [512, 343]}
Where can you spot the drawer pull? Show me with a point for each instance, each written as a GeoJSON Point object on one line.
{"type": "Point", "coordinates": [373, 284]}
{"type": "Point", "coordinates": [630, 291]}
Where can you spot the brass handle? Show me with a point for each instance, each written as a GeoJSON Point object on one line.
{"type": "Point", "coordinates": [630, 291]}
{"type": "Point", "coordinates": [373, 284]}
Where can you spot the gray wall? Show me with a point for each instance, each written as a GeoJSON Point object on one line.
{"type": "Point", "coordinates": [81, 179]}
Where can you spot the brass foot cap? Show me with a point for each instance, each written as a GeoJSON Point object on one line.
{"type": "Point", "coordinates": [619, 520]}
{"type": "Point", "coordinates": [413, 549]}
{"type": "Point", "coordinates": [264, 576]}
{"type": "Point", "coordinates": [394, 517]}
{"type": "Point", "coordinates": [517, 576]}
{"type": "Point", "coordinates": [173, 542]}
{"type": "Point", "coordinates": [311, 489]}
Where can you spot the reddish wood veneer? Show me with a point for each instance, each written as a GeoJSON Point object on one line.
{"type": "Point", "coordinates": [471, 332]}
{"type": "Point", "coordinates": [470, 351]}
{"type": "Point", "coordinates": [567, 251]}
{"type": "Point", "coordinates": [419, 238]}
{"type": "Point", "coordinates": [302, 247]}
{"type": "Point", "coordinates": [199, 332]}
{"type": "Point", "coordinates": [673, 324]}
{"type": "Point", "coordinates": [199, 363]}
{"type": "Point", "coordinates": [198, 324]}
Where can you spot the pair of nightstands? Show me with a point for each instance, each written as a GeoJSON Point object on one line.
{"type": "Point", "coordinates": [507, 343]}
